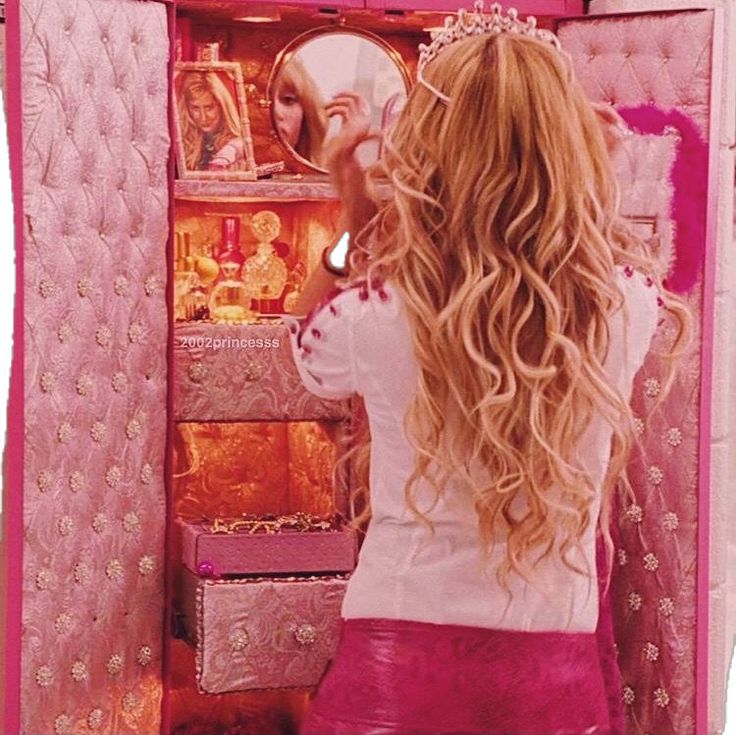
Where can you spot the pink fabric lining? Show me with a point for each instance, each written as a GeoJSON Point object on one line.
{"type": "Point", "coordinates": [14, 450]}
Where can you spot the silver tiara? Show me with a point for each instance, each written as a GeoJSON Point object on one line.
{"type": "Point", "coordinates": [478, 23]}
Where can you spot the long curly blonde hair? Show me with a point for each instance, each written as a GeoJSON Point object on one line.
{"type": "Point", "coordinates": [502, 237]}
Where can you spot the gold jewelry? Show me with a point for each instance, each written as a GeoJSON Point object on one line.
{"type": "Point", "coordinates": [269, 524]}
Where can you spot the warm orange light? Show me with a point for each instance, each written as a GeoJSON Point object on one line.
{"type": "Point", "coordinates": [260, 14]}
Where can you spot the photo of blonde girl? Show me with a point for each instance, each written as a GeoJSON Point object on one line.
{"type": "Point", "coordinates": [209, 123]}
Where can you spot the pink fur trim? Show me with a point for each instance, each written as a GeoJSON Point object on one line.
{"type": "Point", "coordinates": [689, 177]}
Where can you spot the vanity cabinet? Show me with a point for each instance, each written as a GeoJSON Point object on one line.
{"type": "Point", "coordinates": [540, 8]}
{"type": "Point", "coordinates": [126, 422]}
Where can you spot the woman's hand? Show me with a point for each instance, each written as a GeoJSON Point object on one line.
{"type": "Point", "coordinates": [614, 127]}
{"type": "Point", "coordinates": [355, 128]}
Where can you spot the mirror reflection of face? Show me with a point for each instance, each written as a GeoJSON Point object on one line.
{"type": "Point", "coordinates": [205, 112]}
{"type": "Point", "coordinates": [288, 113]}
{"type": "Point", "coordinates": [309, 79]}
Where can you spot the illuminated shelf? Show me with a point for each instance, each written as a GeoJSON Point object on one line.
{"type": "Point", "coordinates": [303, 189]}
{"type": "Point", "coordinates": [263, 190]}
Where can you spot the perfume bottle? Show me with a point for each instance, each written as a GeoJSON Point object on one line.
{"type": "Point", "coordinates": [230, 251]}
{"type": "Point", "coordinates": [229, 301]}
{"type": "Point", "coordinates": [185, 276]}
{"type": "Point", "coordinates": [197, 303]}
{"type": "Point", "coordinates": [294, 286]}
{"type": "Point", "coordinates": [265, 273]}
{"type": "Point", "coordinates": [206, 267]}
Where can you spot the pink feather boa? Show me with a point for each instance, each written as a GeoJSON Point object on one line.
{"type": "Point", "coordinates": [689, 177]}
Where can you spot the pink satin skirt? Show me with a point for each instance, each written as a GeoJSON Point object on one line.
{"type": "Point", "coordinates": [415, 678]}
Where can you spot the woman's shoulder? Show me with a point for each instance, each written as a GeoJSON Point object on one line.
{"type": "Point", "coordinates": [353, 300]}
{"type": "Point", "coordinates": [640, 290]}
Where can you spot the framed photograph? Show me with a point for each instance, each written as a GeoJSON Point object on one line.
{"type": "Point", "coordinates": [213, 138]}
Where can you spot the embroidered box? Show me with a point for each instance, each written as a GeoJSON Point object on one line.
{"type": "Point", "coordinates": [287, 552]}
{"type": "Point", "coordinates": [260, 633]}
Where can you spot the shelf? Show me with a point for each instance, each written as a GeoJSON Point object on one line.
{"type": "Point", "coordinates": [229, 372]}
{"type": "Point", "coordinates": [269, 190]}
{"type": "Point", "coordinates": [264, 190]}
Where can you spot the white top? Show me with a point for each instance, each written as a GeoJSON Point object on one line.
{"type": "Point", "coordinates": [349, 345]}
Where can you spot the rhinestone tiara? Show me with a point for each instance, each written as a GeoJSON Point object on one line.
{"type": "Point", "coordinates": [478, 23]}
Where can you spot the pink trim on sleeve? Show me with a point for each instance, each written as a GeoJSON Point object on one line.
{"type": "Point", "coordinates": [332, 294]}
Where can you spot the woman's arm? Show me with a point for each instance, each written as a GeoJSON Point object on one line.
{"type": "Point", "coordinates": [232, 152]}
{"type": "Point", "coordinates": [348, 178]}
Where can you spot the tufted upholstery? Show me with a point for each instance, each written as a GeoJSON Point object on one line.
{"type": "Point", "coordinates": [96, 141]}
{"type": "Point", "coordinates": [663, 59]}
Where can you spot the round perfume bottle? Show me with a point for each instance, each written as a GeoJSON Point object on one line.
{"type": "Point", "coordinates": [206, 267]}
{"type": "Point", "coordinates": [265, 273]}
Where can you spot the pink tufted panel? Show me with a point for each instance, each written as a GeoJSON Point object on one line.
{"type": "Point", "coordinates": [663, 59]}
{"type": "Point", "coordinates": [96, 143]}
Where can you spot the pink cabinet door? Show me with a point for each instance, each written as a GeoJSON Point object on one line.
{"type": "Point", "coordinates": [85, 502]}
{"type": "Point", "coordinates": [330, 4]}
{"type": "Point", "coordinates": [525, 7]}
{"type": "Point", "coordinates": [663, 72]}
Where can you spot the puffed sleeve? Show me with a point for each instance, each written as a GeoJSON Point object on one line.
{"type": "Point", "coordinates": [322, 345]}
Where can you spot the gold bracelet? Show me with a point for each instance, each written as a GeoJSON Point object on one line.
{"type": "Point", "coordinates": [341, 272]}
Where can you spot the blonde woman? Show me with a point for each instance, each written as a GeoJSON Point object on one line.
{"type": "Point", "coordinates": [299, 111]}
{"type": "Point", "coordinates": [495, 315]}
{"type": "Point", "coordinates": [210, 125]}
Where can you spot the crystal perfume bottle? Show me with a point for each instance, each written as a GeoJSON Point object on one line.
{"type": "Point", "coordinates": [265, 273]}
{"type": "Point", "coordinates": [294, 285]}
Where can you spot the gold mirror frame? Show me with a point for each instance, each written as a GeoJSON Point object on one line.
{"type": "Point", "coordinates": [283, 57]}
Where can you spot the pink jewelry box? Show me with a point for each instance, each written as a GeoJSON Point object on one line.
{"type": "Point", "coordinates": [260, 633]}
{"type": "Point", "coordinates": [287, 552]}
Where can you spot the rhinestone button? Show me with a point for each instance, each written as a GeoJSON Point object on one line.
{"type": "Point", "coordinates": [305, 634]}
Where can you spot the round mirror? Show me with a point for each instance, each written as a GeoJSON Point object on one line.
{"type": "Point", "coordinates": [315, 67]}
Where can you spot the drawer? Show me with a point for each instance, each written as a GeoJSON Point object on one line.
{"type": "Point", "coordinates": [266, 553]}
{"type": "Point", "coordinates": [232, 372]}
{"type": "Point", "coordinates": [260, 633]}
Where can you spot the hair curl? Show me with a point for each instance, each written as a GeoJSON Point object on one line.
{"type": "Point", "coordinates": [502, 237]}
